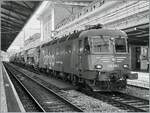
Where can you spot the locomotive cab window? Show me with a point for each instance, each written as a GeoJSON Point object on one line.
{"type": "Point", "coordinates": [80, 49]}
{"type": "Point", "coordinates": [120, 45]}
{"type": "Point", "coordinates": [100, 44]}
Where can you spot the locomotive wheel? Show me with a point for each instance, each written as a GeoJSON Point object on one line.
{"type": "Point", "coordinates": [74, 81]}
{"type": "Point", "coordinates": [47, 71]}
{"type": "Point", "coordinates": [65, 77]}
{"type": "Point", "coordinates": [54, 73]}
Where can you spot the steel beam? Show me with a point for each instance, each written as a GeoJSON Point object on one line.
{"type": "Point", "coordinates": [143, 35]}
{"type": "Point", "coordinates": [16, 5]}
{"type": "Point", "coordinates": [11, 16]}
{"type": "Point", "coordinates": [4, 23]}
{"type": "Point", "coordinates": [12, 10]}
{"type": "Point", "coordinates": [71, 4]}
{"type": "Point", "coordinates": [10, 20]}
{"type": "Point", "coordinates": [27, 5]}
{"type": "Point", "coordinates": [3, 29]}
{"type": "Point", "coordinates": [8, 27]}
{"type": "Point", "coordinates": [131, 29]}
{"type": "Point", "coordinates": [89, 1]}
{"type": "Point", "coordinates": [134, 34]}
{"type": "Point", "coordinates": [121, 17]}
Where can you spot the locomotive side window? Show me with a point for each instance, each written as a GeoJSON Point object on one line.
{"type": "Point", "coordinates": [86, 45]}
{"type": "Point", "coordinates": [120, 44]}
{"type": "Point", "coordinates": [68, 49]}
{"type": "Point", "coordinates": [100, 44]}
{"type": "Point", "coordinates": [80, 46]}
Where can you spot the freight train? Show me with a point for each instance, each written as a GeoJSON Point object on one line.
{"type": "Point", "coordinates": [97, 58]}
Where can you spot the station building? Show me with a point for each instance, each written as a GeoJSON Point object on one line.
{"type": "Point", "coordinates": [57, 19]}
{"type": "Point", "coordinates": [130, 16]}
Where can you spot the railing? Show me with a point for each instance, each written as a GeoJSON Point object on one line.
{"type": "Point", "coordinates": [94, 5]}
{"type": "Point", "coordinates": [109, 16]}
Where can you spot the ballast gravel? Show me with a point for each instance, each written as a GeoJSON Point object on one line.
{"type": "Point", "coordinates": [88, 103]}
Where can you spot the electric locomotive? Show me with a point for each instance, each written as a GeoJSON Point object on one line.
{"type": "Point", "coordinates": [96, 58]}
{"type": "Point", "coordinates": [107, 60]}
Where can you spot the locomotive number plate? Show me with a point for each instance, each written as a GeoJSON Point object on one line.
{"type": "Point", "coordinates": [113, 65]}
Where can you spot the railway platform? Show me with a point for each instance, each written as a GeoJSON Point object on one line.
{"type": "Point", "coordinates": [142, 81]}
{"type": "Point", "coordinates": [10, 101]}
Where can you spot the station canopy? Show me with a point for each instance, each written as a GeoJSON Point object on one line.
{"type": "Point", "coordinates": [14, 15]}
{"type": "Point", "coordinates": [138, 35]}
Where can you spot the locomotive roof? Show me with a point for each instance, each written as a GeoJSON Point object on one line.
{"type": "Point", "coordinates": [106, 32]}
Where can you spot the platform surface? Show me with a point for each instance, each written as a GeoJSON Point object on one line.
{"type": "Point", "coordinates": [3, 104]}
{"type": "Point", "coordinates": [142, 81]}
{"type": "Point", "coordinates": [12, 101]}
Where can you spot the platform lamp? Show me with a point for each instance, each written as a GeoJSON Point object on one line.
{"type": "Point", "coordinates": [139, 29]}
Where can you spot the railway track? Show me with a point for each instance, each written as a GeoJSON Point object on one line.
{"type": "Point", "coordinates": [128, 102]}
{"type": "Point", "coordinates": [47, 99]}
{"type": "Point", "coordinates": [73, 96]}
{"type": "Point", "coordinates": [27, 101]}
{"type": "Point", "coordinates": [123, 101]}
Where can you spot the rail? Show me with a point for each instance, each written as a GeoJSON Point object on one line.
{"type": "Point", "coordinates": [42, 90]}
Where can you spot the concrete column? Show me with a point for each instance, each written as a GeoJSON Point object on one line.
{"type": "Point", "coordinates": [149, 45]}
{"type": "Point", "coordinates": [42, 30]}
{"type": "Point", "coordinates": [3, 102]}
{"type": "Point", "coordinates": [24, 36]}
{"type": "Point", "coordinates": [130, 59]}
{"type": "Point", "coordinates": [52, 20]}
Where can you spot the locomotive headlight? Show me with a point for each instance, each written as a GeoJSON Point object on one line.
{"type": "Point", "coordinates": [98, 66]}
{"type": "Point", "coordinates": [111, 39]}
{"type": "Point", "coordinates": [126, 66]}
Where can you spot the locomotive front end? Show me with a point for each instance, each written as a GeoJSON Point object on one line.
{"type": "Point", "coordinates": [110, 59]}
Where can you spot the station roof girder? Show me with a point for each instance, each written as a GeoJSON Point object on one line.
{"type": "Point", "coordinates": [138, 34]}
{"type": "Point", "coordinates": [14, 15]}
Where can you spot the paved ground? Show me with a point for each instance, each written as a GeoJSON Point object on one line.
{"type": "Point", "coordinates": [3, 105]}
{"type": "Point", "coordinates": [11, 101]}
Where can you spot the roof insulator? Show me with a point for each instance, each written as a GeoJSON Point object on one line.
{"type": "Point", "coordinates": [98, 26]}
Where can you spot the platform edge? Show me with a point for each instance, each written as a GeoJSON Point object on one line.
{"type": "Point", "coordinates": [15, 92]}
{"type": "Point", "coordinates": [3, 103]}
